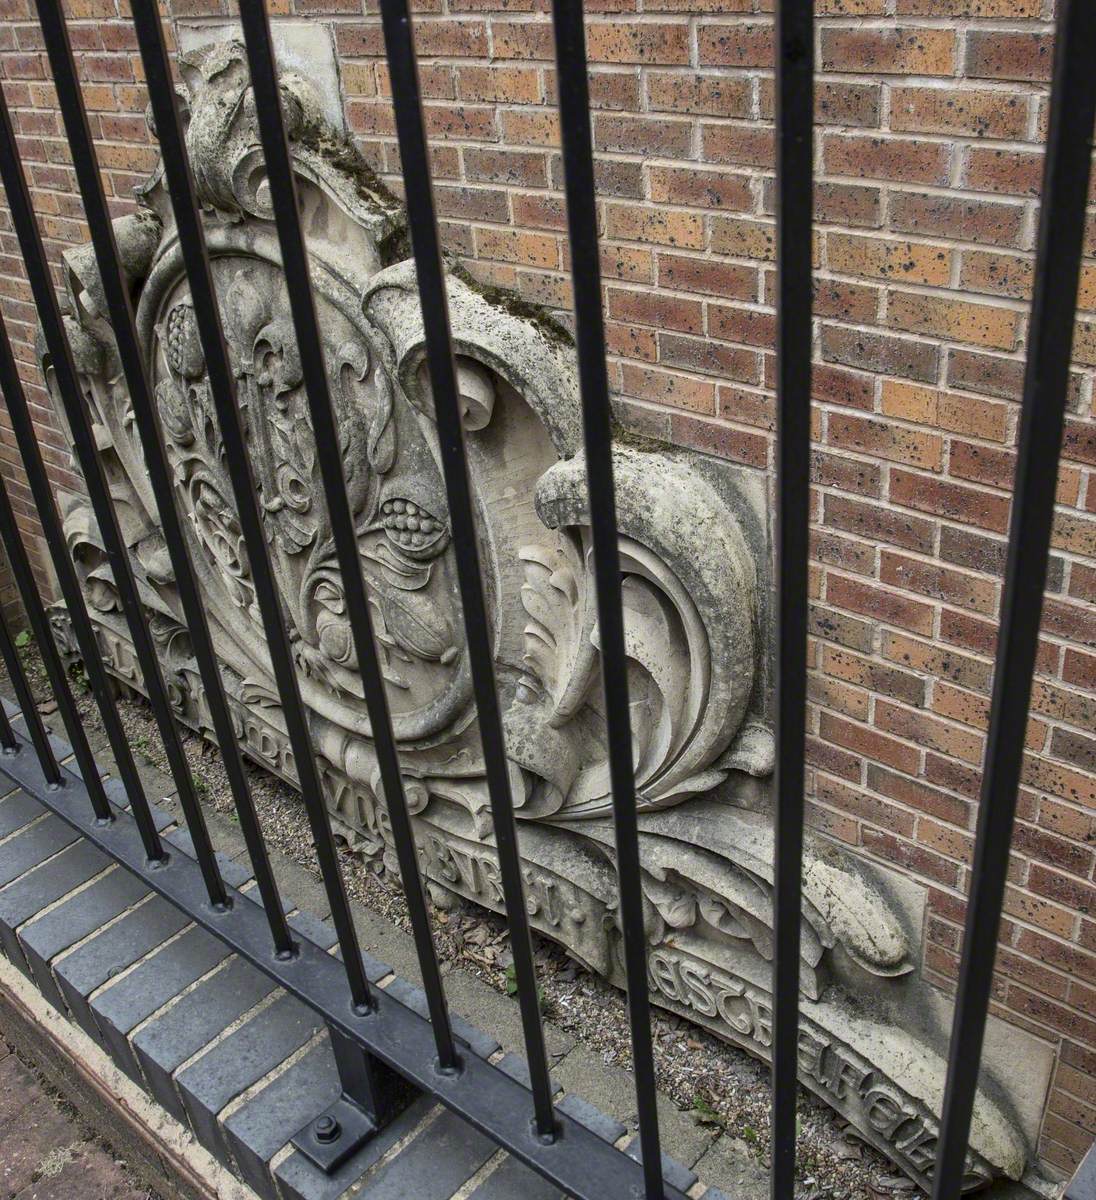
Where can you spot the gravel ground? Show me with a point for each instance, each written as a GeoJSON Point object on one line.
{"type": "Point", "coordinates": [717, 1084]}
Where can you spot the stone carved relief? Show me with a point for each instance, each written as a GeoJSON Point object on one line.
{"type": "Point", "coordinates": [693, 596]}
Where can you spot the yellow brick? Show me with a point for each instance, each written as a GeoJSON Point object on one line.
{"type": "Point", "coordinates": [880, 258]}
{"type": "Point", "coordinates": [979, 324]}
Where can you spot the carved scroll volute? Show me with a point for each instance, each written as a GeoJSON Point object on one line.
{"type": "Point", "coordinates": [689, 607]}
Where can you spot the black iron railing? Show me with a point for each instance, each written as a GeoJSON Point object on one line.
{"type": "Point", "coordinates": [375, 1033]}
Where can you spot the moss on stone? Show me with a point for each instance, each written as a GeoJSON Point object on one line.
{"type": "Point", "coordinates": [525, 310]}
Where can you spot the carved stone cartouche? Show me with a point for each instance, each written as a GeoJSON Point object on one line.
{"type": "Point", "coordinates": [693, 598]}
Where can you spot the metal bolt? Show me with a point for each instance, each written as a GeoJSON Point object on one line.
{"type": "Point", "coordinates": [327, 1129]}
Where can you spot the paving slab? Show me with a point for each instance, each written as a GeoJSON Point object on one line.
{"type": "Point", "coordinates": [16, 810]}
{"type": "Point", "coordinates": [33, 845]}
{"type": "Point", "coordinates": [730, 1166]}
{"type": "Point", "coordinates": [298, 1179]}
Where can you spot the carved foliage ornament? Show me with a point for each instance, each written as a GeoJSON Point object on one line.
{"type": "Point", "coordinates": [690, 585]}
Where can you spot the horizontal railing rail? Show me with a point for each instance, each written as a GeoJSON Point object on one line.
{"type": "Point", "coordinates": [374, 1030]}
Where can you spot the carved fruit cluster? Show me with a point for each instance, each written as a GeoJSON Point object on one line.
{"type": "Point", "coordinates": [183, 347]}
{"type": "Point", "coordinates": [408, 525]}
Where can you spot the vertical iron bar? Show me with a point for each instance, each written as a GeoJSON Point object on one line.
{"type": "Point", "coordinates": [794, 41]}
{"type": "Point", "coordinates": [9, 743]}
{"type": "Point", "coordinates": [1066, 173]}
{"type": "Point", "coordinates": [159, 472]}
{"type": "Point", "coordinates": [275, 626]}
{"type": "Point", "coordinates": [402, 65]}
{"type": "Point", "coordinates": [283, 193]}
{"type": "Point", "coordinates": [43, 636]}
{"type": "Point", "coordinates": [35, 725]}
{"type": "Point", "coordinates": [578, 164]}
{"type": "Point", "coordinates": [27, 440]}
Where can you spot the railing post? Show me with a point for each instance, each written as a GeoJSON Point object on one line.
{"type": "Point", "coordinates": [371, 1097]}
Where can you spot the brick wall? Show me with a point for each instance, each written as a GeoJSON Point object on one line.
{"type": "Point", "coordinates": [930, 117]}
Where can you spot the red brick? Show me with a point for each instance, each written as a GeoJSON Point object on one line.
{"type": "Point", "coordinates": [735, 323]}
{"type": "Point", "coordinates": [707, 275]}
{"type": "Point", "coordinates": [990, 375]}
{"type": "Point", "coordinates": [508, 85]}
{"type": "Point", "coordinates": [667, 387]}
{"type": "Point", "coordinates": [659, 136]}
{"type": "Point", "coordinates": [704, 189]}
{"type": "Point", "coordinates": [879, 352]}
{"type": "Point", "coordinates": [1000, 54]}
{"type": "Point", "coordinates": [860, 739]}
{"type": "Point", "coordinates": [521, 39]}
{"type": "Point", "coordinates": [642, 223]}
{"type": "Point", "coordinates": [699, 95]}
{"type": "Point", "coordinates": [880, 603]}
{"type": "Point", "coordinates": [883, 258]}
{"type": "Point", "coordinates": [843, 204]}
{"type": "Point", "coordinates": [450, 38]}
{"type": "Point", "coordinates": [864, 806]}
{"type": "Point", "coordinates": [517, 246]}
{"type": "Point", "coordinates": [663, 312]}
{"type": "Point", "coordinates": [741, 145]}
{"type": "Point", "coordinates": [846, 474]}
{"type": "Point", "coordinates": [924, 730]}
{"type": "Point", "coordinates": [847, 553]}
{"type": "Point", "coordinates": [884, 439]}
{"type": "Point", "coordinates": [889, 51]}
{"type": "Point", "coordinates": [954, 320]}
{"type": "Point", "coordinates": [898, 852]}
{"type": "Point", "coordinates": [824, 622]}
{"type": "Point", "coordinates": [735, 45]}
{"type": "Point", "coordinates": [990, 222]}
{"type": "Point", "coordinates": [938, 583]}
{"type": "Point", "coordinates": [873, 675]}
{"type": "Point", "coordinates": [996, 274]}
{"type": "Point", "coordinates": [951, 500]}
{"type": "Point", "coordinates": [649, 43]}
{"type": "Point", "coordinates": [903, 160]}
{"type": "Point", "coordinates": [967, 112]}
{"type": "Point", "coordinates": [707, 357]}
{"type": "Point", "coordinates": [831, 385]}
{"type": "Point", "coordinates": [1009, 172]}
{"type": "Point", "coordinates": [715, 437]}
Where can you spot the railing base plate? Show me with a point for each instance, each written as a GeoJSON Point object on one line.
{"type": "Point", "coordinates": [337, 1133]}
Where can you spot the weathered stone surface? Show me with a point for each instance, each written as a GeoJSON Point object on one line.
{"type": "Point", "coordinates": [694, 555]}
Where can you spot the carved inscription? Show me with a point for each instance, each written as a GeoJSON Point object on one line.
{"type": "Point", "coordinates": [875, 1104]}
